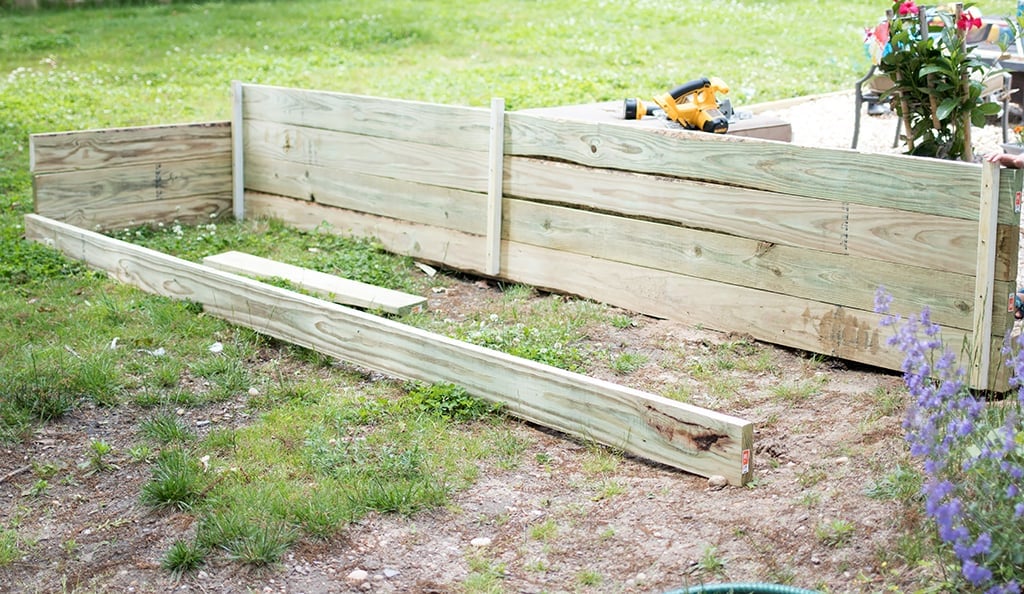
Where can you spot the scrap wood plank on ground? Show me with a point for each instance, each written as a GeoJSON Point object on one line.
{"type": "Point", "coordinates": [328, 286]}
{"type": "Point", "coordinates": [687, 437]}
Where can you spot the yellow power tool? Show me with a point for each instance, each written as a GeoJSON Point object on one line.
{"type": "Point", "coordinates": [694, 105]}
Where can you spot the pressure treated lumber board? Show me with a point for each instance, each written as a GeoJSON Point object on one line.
{"type": "Point", "coordinates": [95, 149]}
{"type": "Point", "coordinates": [929, 186]}
{"type": "Point", "coordinates": [413, 121]}
{"type": "Point", "coordinates": [414, 202]}
{"type": "Point", "coordinates": [847, 333]}
{"type": "Point", "coordinates": [812, 274]}
{"type": "Point", "coordinates": [121, 177]}
{"type": "Point", "coordinates": [345, 152]}
{"type": "Point", "coordinates": [327, 286]}
{"type": "Point", "coordinates": [114, 216]}
{"type": "Point", "coordinates": [136, 191]}
{"type": "Point", "coordinates": [424, 242]}
{"type": "Point", "coordinates": [906, 237]}
{"type": "Point", "coordinates": [815, 326]}
{"type": "Point", "coordinates": [684, 436]}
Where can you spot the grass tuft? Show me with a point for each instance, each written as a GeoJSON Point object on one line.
{"type": "Point", "coordinates": [177, 481]}
{"type": "Point", "coordinates": [183, 557]}
{"type": "Point", "coordinates": [166, 428]}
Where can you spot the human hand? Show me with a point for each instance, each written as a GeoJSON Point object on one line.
{"type": "Point", "coordinates": [1006, 160]}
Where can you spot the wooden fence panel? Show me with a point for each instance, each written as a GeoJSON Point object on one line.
{"type": "Point", "coordinates": [95, 149]}
{"type": "Point", "coordinates": [783, 241]}
{"type": "Point", "coordinates": [132, 176]}
{"type": "Point", "coordinates": [808, 324]}
{"type": "Point", "coordinates": [928, 186]}
{"type": "Point", "coordinates": [899, 236]}
{"type": "Point", "coordinates": [817, 275]}
{"type": "Point", "coordinates": [412, 121]}
{"type": "Point", "coordinates": [448, 208]}
{"type": "Point", "coordinates": [343, 153]}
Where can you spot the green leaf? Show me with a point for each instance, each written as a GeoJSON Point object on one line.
{"type": "Point", "coordinates": [932, 69]}
{"type": "Point", "coordinates": [946, 107]}
{"type": "Point", "coordinates": [988, 108]}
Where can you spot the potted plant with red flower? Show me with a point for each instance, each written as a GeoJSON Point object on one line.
{"type": "Point", "coordinates": [937, 82]}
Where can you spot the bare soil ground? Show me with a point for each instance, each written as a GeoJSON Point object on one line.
{"type": "Point", "coordinates": [825, 432]}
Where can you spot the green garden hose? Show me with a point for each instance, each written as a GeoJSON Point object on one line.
{"type": "Point", "coordinates": [743, 588]}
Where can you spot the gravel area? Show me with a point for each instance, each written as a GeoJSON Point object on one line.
{"type": "Point", "coordinates": [827, 121]}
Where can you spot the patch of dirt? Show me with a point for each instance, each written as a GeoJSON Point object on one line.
{"type": "Point", "coordinates": [825, 431]}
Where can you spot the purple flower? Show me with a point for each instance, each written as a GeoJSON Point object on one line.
{"type": "Point", "coordinates": [976, 574]}
{"type": "Point", "coordinates": [973, 466]}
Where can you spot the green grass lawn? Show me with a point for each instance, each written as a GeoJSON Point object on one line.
{"type": "Point", "coordinates": [167, 63]}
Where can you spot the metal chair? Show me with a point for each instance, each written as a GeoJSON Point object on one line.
{"type": "Point", "coordinates": [860, 97]}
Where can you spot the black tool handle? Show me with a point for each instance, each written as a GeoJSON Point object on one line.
{"type": "Point", "coordinates": [690, 87]}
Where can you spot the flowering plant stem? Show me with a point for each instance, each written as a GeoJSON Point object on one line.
{"type": "Point", "coordinates": [972, 454]}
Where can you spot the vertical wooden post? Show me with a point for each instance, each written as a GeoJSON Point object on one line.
{"type": "Point", "coordinates": [237, 152]}
{"type": "Point", "coordinates": [988, 215]}
{"type": "Point", "coordinates": [495, 183]}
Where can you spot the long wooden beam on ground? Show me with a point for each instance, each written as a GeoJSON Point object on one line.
{"type": "Point", "coordinates": [684, 436]}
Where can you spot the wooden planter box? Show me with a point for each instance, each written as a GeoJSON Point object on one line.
{"type": "Point", "coordinates": [785, 243]}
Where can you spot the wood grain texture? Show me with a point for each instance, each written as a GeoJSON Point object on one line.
{"type": "Point", "coordinates": [846, 332]}
{"type": "Point", "coordinates": [683, 436]}
{"type": "Point", "coordinates": [929, 241]}
{"type": "Point", "coordinates": [237, 152]}
{"type": "Point", "coordinates": [326, 286]}
{"type": "Point", "coordinates": [984, 287]}
{"type": "Point", "coordinates": [193, 210]}
{"type": "Point", "coordinates": [495, 187]}
{"type": "Point", "coordinates": [413, 121]}
{"type": "Point", "coordinates": [113, 196]}
{"type": "Point", "coordinates": [818, 275]}
{"type": "Point", "coordinates": [450, 208]}
{"type": "Point", "coordinates": [928, 186]}
{"type": "Point", "coordinates": [353, 153]}
{"type": "Point", "coordinates": [95, 149]}
{"type": "Point", "coordinates": [424, 242]}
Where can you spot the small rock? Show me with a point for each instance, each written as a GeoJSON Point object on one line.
{"type": "Point", "coordinates": [717, 482]}
{"type": "Point", "coordinates": [390, 572]}
{"type": "Point", "coordinates": [842, 460]}
{"type": "Point", "coordinates": [815, 561]}
{"type": "Point", "coordinates": [357, 575]}
{"type": "Point", "coordinates": [254, 392]}
{"type": "Point", "coordinates": [481, 541]}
